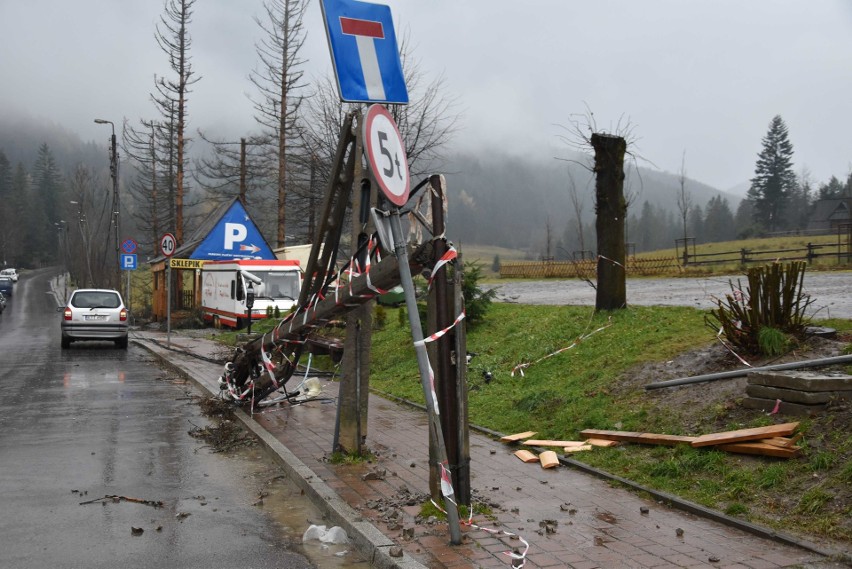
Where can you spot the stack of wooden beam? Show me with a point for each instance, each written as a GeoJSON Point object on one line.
{"type": "Point", "coordinates": [773, 440]}
{"type": "Point", "coordinates": [767, 441]}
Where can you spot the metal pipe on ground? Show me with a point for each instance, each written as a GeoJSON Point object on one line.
{"type": "Point", "coordinates": [740, 372]}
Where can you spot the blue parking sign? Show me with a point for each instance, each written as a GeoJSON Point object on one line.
{"type": "Point", "coordinates": [128, 262]}
{"type": "Point", "coordinates": [364, 52]}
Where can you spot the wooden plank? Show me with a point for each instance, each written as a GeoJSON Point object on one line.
{"type": "Point", "coordinates": [549, 443]}
{"type": "Point", "coordinates": [634, 437]}
{"type": "Point", "coordinates": [579, 448]}
{"type": "Point", "coordinates": [601, 443]}
{"type": "Point", "coordinates": [762, 449]}
{"type": "Point", "coordinates": [548, 459]}
{"type": "Point", "coordinates": [782, 442]}
{"type": "Point", "coordinates": [526, 456]}
{"type": "Point", "coordinates": [517, 436]}
{"type": "Point", "coordinates": [741, 435]}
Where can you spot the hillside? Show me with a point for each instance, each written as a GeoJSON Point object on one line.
{"type": "Point", "coordinates": [506, 200]}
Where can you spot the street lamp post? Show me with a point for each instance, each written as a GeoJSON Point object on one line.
{"type": "Point", "coordinates": [116, 209]}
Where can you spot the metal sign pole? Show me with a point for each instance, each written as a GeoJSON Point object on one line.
{"type": "Point", "coordinates": [168, 302]}
{"type": "Point", "coordinates": [425, 375]}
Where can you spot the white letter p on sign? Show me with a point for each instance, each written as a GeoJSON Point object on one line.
{"type": "Point", "coordinates": [234, 233]}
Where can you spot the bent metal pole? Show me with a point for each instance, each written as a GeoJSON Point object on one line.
{"type": "Point", "coordinates": [425, 375]}
{"type": "Point", "coordinates": [740, 372]}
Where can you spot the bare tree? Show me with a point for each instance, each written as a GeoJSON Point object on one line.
{"type": "Point", "coordinates": [172, 94]}
{"type": "Point", "coordinates": [610, 202]}
{"type": "Point", "coordinates": [152, 213]}
{"type": "Point", "coordinates": [89, 209]}
{"type": "Point", "coordinates": [426, 124]}
{"type": "Point", "coordinates": [684, 201]}
{"type": "Point", "coordinates": [279, 81]}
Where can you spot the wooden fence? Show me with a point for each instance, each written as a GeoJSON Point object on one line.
{"type": "Point", "coordinates": [583, 269]}
{"type": "Point", "coordinates": [811, 252]}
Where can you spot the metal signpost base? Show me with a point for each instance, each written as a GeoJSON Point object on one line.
{"type": "Point", "coordinates": [425, 373]}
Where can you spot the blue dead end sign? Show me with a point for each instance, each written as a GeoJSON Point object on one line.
{"type": "Point", "coordinates": [364, 52]}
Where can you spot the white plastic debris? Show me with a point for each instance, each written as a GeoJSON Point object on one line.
{"type": "Point", "coordinates": [336, 535]}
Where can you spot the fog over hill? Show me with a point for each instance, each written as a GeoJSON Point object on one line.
{"type": "Point", "coordinates": [507, 200]}
{"type": "Point", "coordinates": [497, 197]}
{"type": "Point", "coordinates": [21, 136]}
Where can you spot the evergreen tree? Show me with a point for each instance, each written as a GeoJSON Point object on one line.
{"type": "Point", "coordinates": [718, 221]}
{"type": "Point", "coordinates": [774, 179]}
{"type": "Point", "coordinates": [744, 226]}
{"type": "Point", "coordinates": [834, 188]}
{"type": "Point", "coordinates": [799, 209]}
{"type": "Point", "coordinates": [8, 212]}
{"type": "Point", "coordinates": [695, 223]}
{"type": "Point", "coordinates": [17, 240]}
{"type": "Point", "coordinates": [47, 194]}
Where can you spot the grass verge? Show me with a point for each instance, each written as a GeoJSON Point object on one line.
{"type": "Point", "coordinates": [592, 383]}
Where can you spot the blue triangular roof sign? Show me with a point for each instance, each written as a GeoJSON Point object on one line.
{"type": "Point", "coordinates": [234, 237]}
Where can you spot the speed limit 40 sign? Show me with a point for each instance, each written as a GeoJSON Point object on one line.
{"type": "Point", "coordinates": [168, 244]}
{"type": "Point", "coordinates": [385, 152]}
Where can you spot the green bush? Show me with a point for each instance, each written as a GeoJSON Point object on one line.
{"type": "Point", "coordinates": [476, 301]}
{"type": "Point", "coordinates": [772, 342]}
{"type": "Point", "coordinates": [772, 305]}
{"type": "Point", "coordinates": [381, 317]}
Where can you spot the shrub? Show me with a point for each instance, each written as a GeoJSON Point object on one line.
{"type": "Point", "coordinates": [773, 302]}
{"type": "Point", "coordinates": [771, 341]}
{"type": "Point", "coordinates": [476, 301]}
{"type": "Point", "coordinates": [381, 317]}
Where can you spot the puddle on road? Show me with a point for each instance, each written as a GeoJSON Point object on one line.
{"type": "Point", "coordinates": [282, 501]}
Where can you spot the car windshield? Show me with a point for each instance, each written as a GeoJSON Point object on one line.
{"type": "Point", "coordinates": [95, 299]}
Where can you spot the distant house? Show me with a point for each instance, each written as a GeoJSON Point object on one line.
{"type": "Point", "coordinates": [831, 214]}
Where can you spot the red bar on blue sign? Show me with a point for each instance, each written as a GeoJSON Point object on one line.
{"type": "Point", "coordinates": [367, 28]}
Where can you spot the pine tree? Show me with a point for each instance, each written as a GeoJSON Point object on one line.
{"type": "Point", "coordinates": [47, 192]}
{"type": "Point", "coordinates": [718, 221]}
{"type": "Point", "coordinates": [774, 179]}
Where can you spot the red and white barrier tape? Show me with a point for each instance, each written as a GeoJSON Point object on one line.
{"type": "Point", "coordinates": [436, 335]}
{"type": "Point", "coordinates": [450, 255]}
{"type": "Point", "coordinates": [521, 367]}
{"type": "Point", "coordinates": [730, 349]}
{"type": "Point", "coordinates": [518, 559]}
{"type": "Point", "coordinates": [267, 362]}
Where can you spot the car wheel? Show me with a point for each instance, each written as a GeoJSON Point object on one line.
{"type": "Point", "coordinates": [122, 343]}
{"type": "Point", "coordinates": [66, 343]}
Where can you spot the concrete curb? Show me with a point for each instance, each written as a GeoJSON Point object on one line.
{"type": "Point", "coordinates": [366, 538]}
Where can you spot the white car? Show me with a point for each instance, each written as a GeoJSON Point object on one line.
{"type": "Point", "coordinates": [94, 314]}
{"type": "Point", "coordinates": [11, 273]}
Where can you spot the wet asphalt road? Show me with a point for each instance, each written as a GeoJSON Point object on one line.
{"type": "Point", "coordinates": [831, 292]}
{"type": "Point", "coordinates": [92, 421]}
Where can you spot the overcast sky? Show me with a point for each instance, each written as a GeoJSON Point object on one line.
{"type": "Point", "coordinates": [704, 77]}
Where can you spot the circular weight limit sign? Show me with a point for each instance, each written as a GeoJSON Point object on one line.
{"type": "Point", "coordinates": [385, 152]}
{"type": "Point", "coordinates": [168, 244]}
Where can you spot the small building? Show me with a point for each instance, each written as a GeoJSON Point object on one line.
{"type": "Point", "coordinates": [831, 215]}
{"type": "Point", "coordinates": [228, 233]}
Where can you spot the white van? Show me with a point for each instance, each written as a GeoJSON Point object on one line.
{"type": "Point", "coordinates": [224, 285]}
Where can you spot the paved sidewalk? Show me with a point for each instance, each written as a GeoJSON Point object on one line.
{"type": "Point", "coordinates": [568, 517]}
